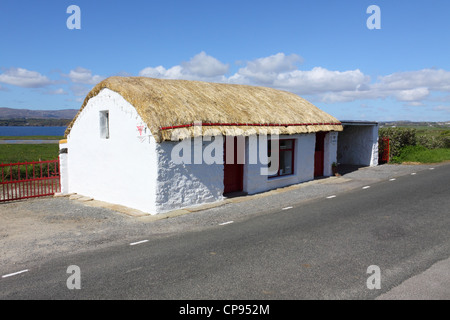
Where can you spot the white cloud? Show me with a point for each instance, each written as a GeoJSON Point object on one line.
{"type": "Point", "coordinates": [416, 94]}
{"type": "Point", "coordinates": [202, 65]}
{"type": "Point", "coordinates": [199, 67]}
{"type": "Point", "coordinates": [24, 78]}
{"type": "Point", "coordinates": [161, 72]}
{"type": "Point", "coordinates": [412, 87]}
{"type": "Point", "coordinates": [80, 90]}
{"type": "Point", "coordinates": [265, 71]}
{"type": "Point", "coordinates": [281, 71]}
{"type": "Point", "coordinates": [445, 109]}
{"type": "Point", "coordinates": [59, 91]}
{"type": "Point", "coordinates": [84, 76]}
{"type": "Point", "coordinates": [320, 80]}
{"type": "Point", "coordinates": [434, 79]}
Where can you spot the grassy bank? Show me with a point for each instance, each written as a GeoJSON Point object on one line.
{"type": "Point", "coordinates": [421, 154]}
{"type": "Point", "coordinates": [10, 153]}
{"type": "Point", "coordinates": [420, 144]}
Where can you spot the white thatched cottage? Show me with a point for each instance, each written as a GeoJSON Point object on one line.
{"type": "Point", "coordinates": [158, 145]}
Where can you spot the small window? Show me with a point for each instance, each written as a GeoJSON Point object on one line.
{"type": "Point", "coordinates": [286, 157]}
{"type": "Point", "coordinates": [104, 124]}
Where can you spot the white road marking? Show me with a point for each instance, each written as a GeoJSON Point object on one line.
{"type": "Point", "coordinates": [287, 208]}
{"type": "Point", "coordinates": [224, 223]}
{"type": "Point", "coordinates": [366, 187]}
{"type": "Point", "coordinates": [331, 197]}
{"type": "Point", "coordinates": [393, 179]}
{"type": "Point", "coordinates": [431, 168]}
{"type": "Point", "coordinates": [15, 273]}
{"type": "Point", "coordinates": [413, 173]}
{"type": "Point", "coordinates": [139, 242]}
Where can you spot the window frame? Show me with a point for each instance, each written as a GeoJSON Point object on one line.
{"type": "Point", "coordinates": [104, 124]}
{"type": "Point", "coordinates": [292, 149]}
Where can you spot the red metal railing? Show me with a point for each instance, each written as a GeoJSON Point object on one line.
{"type": "Point", "coordinates": [25, 180]}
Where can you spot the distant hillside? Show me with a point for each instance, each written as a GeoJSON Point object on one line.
{"type": "Point", "coordinates": [26, 117]}
{"type": "Point", "coordinates": [413, 124]}
{"type": "Point", "coordinates": [9, 113]}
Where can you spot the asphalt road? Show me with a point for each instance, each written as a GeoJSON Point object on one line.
{"type": "Point", "coordinates": [319, 249]}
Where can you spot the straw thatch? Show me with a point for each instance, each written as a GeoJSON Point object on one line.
{"type": "Point", "coordinates": [164, 104]}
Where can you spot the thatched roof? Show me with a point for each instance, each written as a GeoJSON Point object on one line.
{"type": "Point", "coordinates": [167, 105]}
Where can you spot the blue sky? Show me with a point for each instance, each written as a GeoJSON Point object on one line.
{"type": "Point", "coordinates": [320, 50]}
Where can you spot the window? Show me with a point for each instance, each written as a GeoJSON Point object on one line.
{"type": "Point", "coordinates": [286, 157]}
{"type": "Point", "coordinates": [104, 124]}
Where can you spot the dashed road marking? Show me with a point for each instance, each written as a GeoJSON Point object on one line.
{"type": "Point", "coordinates": [331, 197]}
{"type": "Point", "coordinates": [15, 273]}
{"type": "Point", "coordinates": [224, 223]}
{"type": "Point", "coordinates": [392, 179]}
{"type": "Point", "coordinates": [413, 173]}
{"type": "Point", "coordinates": [139, 242]}
{"type": "Point", "coordinates": [287, 208]}
{"type": "Point", "coordinates": [366, 187]}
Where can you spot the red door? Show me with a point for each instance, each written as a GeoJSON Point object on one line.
{"type": "Point", "coordinates": [233, 172]}
{"type": "Point", "coordinates": [319, 154]}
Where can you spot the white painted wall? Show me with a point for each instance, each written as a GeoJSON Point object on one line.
{"type": "Point", "coordinates": [254, 182]}
{"type": "Point", "coordinates": [187, 184]}
{"type": "Point", "coordinates": [330, 152]}
{"type": "Point", "coordinates": [358, 145]}
{"type": "Point", "coordinates": [64, 168]}
{"type": "Point", "coordinates": [120, 170]}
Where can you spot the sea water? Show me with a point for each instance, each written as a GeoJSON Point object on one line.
{"type": "Point", "coordinates": [17, 131]}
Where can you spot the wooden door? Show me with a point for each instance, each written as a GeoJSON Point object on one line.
{"type": "Point", "coordinates": [319, 154]}
{"type": "Point", "coordinates": [233, 172]}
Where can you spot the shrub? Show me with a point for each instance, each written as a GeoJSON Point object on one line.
{"type": "Point", "coordinates": [399, 138]}
{"type": "Point", "coordinates": [431, 142]}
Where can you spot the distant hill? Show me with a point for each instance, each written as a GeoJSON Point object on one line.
{"type": "Point", "coordinates": [412, 124]}
{"type": "Point", "coordinates": [45, 118]}
{"type": "Point", "coordinates": [9, 113]}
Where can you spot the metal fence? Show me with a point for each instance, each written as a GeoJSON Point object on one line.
{"type": "Point", "coordinates": [25, 180]}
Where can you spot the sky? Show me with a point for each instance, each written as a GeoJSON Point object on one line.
{"type": "Point", "coordinates": [354, 62]}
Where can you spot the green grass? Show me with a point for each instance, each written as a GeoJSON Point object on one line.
{"type": "Point", "coordinates": [422, 155]}
{"type": "Point", "coordinates": [31, 138]}
{"type": "Point", "coordinates": [11, 153]}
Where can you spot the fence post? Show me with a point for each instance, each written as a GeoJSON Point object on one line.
{"type": "Point", "coordinates": [386, 150]}
{"type": "Point", "coordinates": [63, 166]}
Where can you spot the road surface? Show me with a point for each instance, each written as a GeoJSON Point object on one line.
{"type": "Point", "coordinates": [317, 249]}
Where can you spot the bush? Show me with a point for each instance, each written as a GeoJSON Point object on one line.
{"type": "Point", "coordinates": [432, 142]}
{"type": "Point", "coordinates": [399, 138]}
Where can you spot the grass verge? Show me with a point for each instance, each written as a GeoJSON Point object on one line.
{"type": "Point", "coordinates": [422, 155]}
{"type": "Point", "coordinates": [11, 153]}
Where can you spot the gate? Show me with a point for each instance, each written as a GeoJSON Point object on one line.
{"type": "Point", "coordinates": [386, 150]}
{"type": "Point", "coordinates": [25, 180]}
